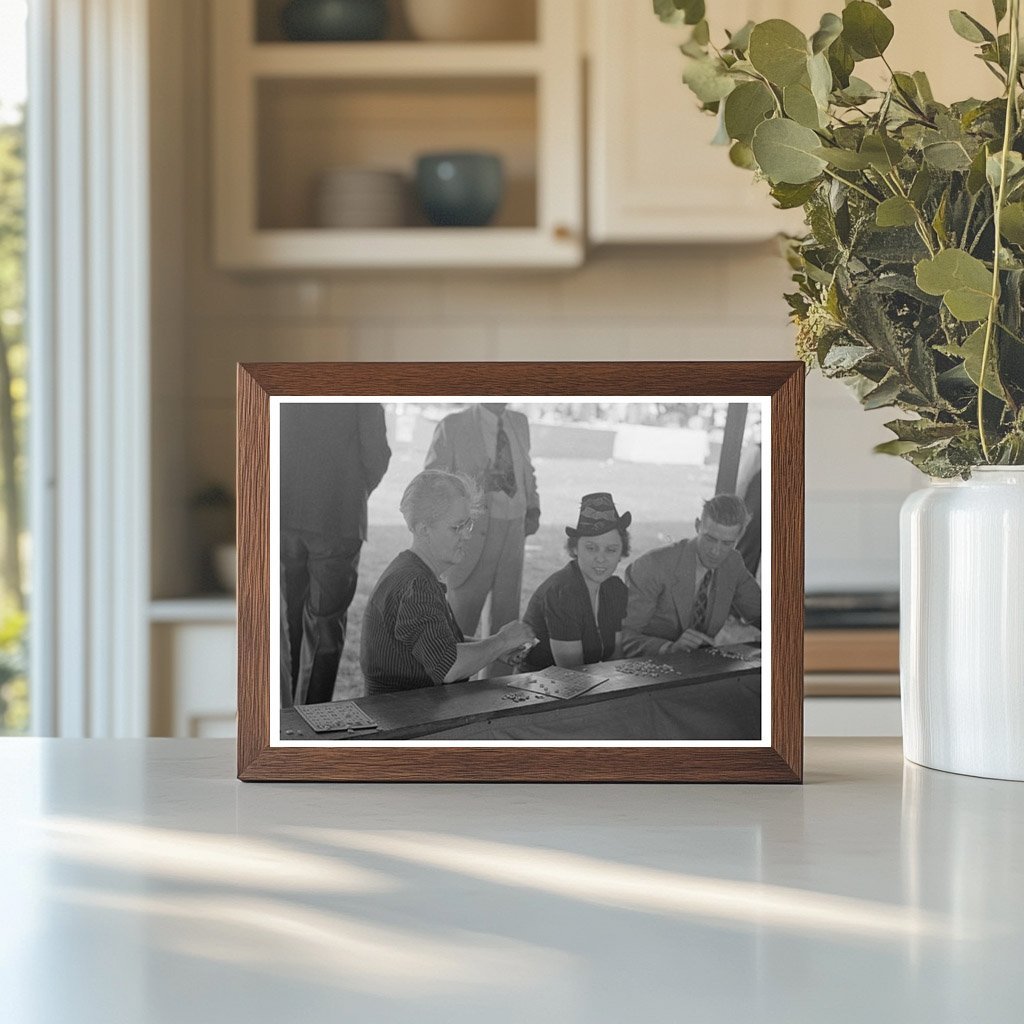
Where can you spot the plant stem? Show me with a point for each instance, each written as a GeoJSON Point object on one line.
{"type": "Point", "coordinates": [922, 225]}
{"type": "Point", "coordinates": [1012, 334]}
{"type": "Point", "coordinates": [855, 187]}
{"type": "Point", "coordinates": [993, 308]}
{"type": "Point", "coordinates": [981, 231]}
{"type": "Point", "coordinates": [768, 85]}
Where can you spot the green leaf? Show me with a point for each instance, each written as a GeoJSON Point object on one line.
{"type": "Point", "coordinates": [721, 136]}
{"type": "Point", "coordinates": [841, 60]}
{"type": "Point", "coordinates": [745, 108]}
{"type": "Point", "coordinates": [946, 156]}
{"type": "Point", "coordinates": [906, 88]}
{"type": "Point", "coordinates": [739, 41]}
{"type": "Point", "coordinates": [820, 75]}
{"type": "Point", "coordinates": [924, 88]}
{"type": "Point", "coordinates": [885, 394]}
{"type": "Point", "coordinates": [830, 28]}
{"type": "Point", "coordinates": [923, 431]}
{"type": "Point", "coordinates": [866, 29]}
{"type": "Point", "coordinates": [971, 352]}
{"type": "Point", "coordinates": [921, 369]}
{"type": "Point", "coordinates": [968, 28]}
{"type": "Point", "coordinates": [994, 167]}
{"type": "Point", "coordinates": [939, 220]}
{"type": "Point", "coordinates": [800, 105]}
{"type": "Point", "coordinates": [778, 50]}
{"type": "Point", "coordinates": [896, 212]}
{"type": "Point", "coordinates": [859, 91]}
{"type": "Point", "coordinates": [921, 186]}
{"type": "Point", "coordinates": [1011, 226]}
{"type": "Point", "coordinates": [668, 12]}
{"type": "Point", "coordinates": [789, 197]}
{"type": "Point", "coordinates": [707, 80]}
{"type": "Point", "coordinates": [883, 153]}
{"type": "Point", "coordinates": [742, 155]}
{"type": "Point", "coordinates": [844, 159]}
{"type": "Point", "coordinates": [694, 11]}
{"type": "Point", "coordinates": [963, 281]}
{"type": "Point", "coordinates": [976, 175]}
{"type": "Point", "coordinates": [895, 447]}
{"type": "Point", "coordinates": [679, 12]}
{"type": "Point", "coordinates": [785, 152]}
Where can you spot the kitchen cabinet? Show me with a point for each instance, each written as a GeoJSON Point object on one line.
{"type": "Point", "coordinates": [193, 667]}
{"type": "Point", "coordinates": [653, 175]}
{"type": "Point", "coordinates": [286, 113]}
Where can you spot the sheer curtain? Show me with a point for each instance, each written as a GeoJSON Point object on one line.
{"type": "Point", "coordinates": [88, 313]}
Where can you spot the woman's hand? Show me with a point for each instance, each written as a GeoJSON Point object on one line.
{"type": "Point", "coordinates": [514, 635]}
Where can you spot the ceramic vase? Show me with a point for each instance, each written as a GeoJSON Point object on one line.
{"type": "Point", "coordinates": [334, 20]}
{"type": "Point", "coordinates": [962, 624]}
{"type": "Point", "coordinates": [460, 189]}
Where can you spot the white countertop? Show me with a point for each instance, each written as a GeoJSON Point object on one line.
{"type": "Point", "coordinates": [143, 884]}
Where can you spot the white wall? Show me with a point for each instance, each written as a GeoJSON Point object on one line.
{"type": "Point", "coordinates": [721, 302]}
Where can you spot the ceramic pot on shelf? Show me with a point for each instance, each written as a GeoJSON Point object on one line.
{"type": "Point", "coordinates": [962, 624]}
{"type": "Point", "coordinates": [334, 20]}
{"type": "Point", "coordinates": [460, 189]}
{"type": "Point", "coordinates": [471, 20]}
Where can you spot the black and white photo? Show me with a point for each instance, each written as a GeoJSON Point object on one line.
{"type": "Point", "coordinates": [520, 570]}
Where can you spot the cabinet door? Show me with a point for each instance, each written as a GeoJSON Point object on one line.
{"type": "Point", "coordinates": [653, 174]}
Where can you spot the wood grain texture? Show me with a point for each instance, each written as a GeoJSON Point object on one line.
{"type": "Point", "coordinates": [782, 762]}
{"type": "Point", "coordinates": [852, 650]}
{"type": "Point", "coordinates": [787, 541]}
{"type": "Point", "coordinates": [252, 487]}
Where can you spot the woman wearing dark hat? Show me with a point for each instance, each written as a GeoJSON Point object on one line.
{"type": "Point", "coordinates": [577, 612]}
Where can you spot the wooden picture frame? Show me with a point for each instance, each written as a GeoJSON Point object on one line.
{"type": "Point", "coordinates": [775, 756]}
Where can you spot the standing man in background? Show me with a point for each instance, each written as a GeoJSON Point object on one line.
{"type": "Point", "coordinates": [333, 455]}
{"type": "Point", "coordinates": [490, 444]}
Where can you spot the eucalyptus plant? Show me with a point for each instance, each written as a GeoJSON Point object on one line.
{"type": "Point", "coordinates": [910, 277]}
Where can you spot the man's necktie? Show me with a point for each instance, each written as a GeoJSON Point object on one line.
{"type": "Point", "coordinates": [504, 468]}
{"type": "Point", "coordinates": [701, 603]}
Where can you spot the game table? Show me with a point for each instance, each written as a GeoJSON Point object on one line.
{"type": "Point", "coordinates": [700, 695]}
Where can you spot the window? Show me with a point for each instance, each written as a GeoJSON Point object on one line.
{"type": "Point", "coordinates": [14, 549]}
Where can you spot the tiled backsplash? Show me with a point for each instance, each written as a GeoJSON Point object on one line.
{"type": "Point", "coordinates": [703, 303]}
{"type": "Point", "coordinates": [700, 302]}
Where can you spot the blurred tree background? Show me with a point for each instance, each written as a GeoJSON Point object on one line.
{"type": "Point", "coordinates": [13, 415]}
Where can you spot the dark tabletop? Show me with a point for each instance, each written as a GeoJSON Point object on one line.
{"type": "Point", "coordinates": [415, 713]}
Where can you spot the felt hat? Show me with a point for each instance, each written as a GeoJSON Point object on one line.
{"type": "Point", "coordinates": [598, 515]}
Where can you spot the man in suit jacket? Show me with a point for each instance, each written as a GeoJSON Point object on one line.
{"type": "Point", "coordinates": [681, 595]}
{"type": "Point", "coordinates": [333, 454]}
{"type": "Point", "coordinates": [491, 445]}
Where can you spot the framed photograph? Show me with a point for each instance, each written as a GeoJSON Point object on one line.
{"type": "Point", "coordinates": [520, 572]}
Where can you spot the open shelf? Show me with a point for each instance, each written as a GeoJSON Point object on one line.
{"type": "Point", "coordinates": [308, 127]}
{"type": "Point", "coordinates": [287, 113]}
{"type": "Point", "coordinates": [394, 60]}
{"type": "Point", "coordinates": [519, 16]}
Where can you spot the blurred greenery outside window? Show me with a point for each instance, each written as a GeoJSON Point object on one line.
{"type": "Point", "coordinates": [14, 705]}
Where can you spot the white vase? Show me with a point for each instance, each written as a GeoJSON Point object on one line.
{"type": "Point", "coordinates": [962, 624]}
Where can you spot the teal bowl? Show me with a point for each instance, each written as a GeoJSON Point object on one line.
{"type": "Point", "coordinates": [333, 21]}
{"type": "Point", "coordinates": [462, 190]}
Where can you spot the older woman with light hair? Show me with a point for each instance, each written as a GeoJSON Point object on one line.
{"type": "Point", "coordinates": [410, 638]}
